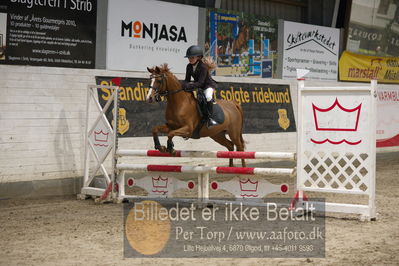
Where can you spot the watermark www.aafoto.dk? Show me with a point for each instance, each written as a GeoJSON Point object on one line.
{"type": "Point", "coordinates": [154, 228]}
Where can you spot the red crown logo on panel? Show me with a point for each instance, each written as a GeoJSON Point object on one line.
{"type": "Point", "coordinates": [324, 114]}
{"type": "Point", "coordinates": [101, 136]}
{"type": "Point", "coordinates": [159, 182]}
{"type": "Point", "coordinates": [249, 185]}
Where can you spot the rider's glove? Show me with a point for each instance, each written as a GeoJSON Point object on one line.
{"type": "Point", "coordinates": [184, 84]}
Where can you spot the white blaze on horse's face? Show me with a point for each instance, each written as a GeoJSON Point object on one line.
{"type": "Point", "coordinates": [150, 90]}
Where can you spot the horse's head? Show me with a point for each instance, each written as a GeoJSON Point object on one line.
{"type": "Point", "coordinates": [162, 81]}
{"type": "Point", "coordinates": [157, 86]}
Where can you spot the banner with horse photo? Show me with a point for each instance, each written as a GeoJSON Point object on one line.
{"type": "Point", "coordinates": [267, 107]}
{"type": "Point", "coordinates": [242, 44]}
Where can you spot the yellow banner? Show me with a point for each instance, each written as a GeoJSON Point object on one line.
{"type": "Point", "coordinates": [355, 67]}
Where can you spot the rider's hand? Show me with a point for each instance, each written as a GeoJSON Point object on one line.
{"type": "Point", "coordinates": [184, 85]}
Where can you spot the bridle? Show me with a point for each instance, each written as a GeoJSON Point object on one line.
{"type": "Point", "coordinates": [163, 82]}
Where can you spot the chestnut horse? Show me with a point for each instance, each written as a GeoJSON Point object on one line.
{"type": "Point", "coordinates": [182, 116]}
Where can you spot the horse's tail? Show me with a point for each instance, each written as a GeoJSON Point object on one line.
{"type": "Point", "coordinates": [209, 62]}
{"type": "Point", "coordinates": [238, 106]}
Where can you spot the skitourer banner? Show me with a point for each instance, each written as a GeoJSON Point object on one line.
{"type": "Point", "coordinates": [143, 33]}
{"type": "Point", "coordinates": [310, 47]}
{"type": "Point", "coordinates": [355, 67]}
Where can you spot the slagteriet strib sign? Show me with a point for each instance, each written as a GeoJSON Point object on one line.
{"type": "Point", "coordinates": [142, 34]}
{"type": "Point", "coordinates": [310, 47]}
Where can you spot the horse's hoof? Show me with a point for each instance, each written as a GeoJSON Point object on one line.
{"type": "Point", "coordinates": [162, 149]}
{"type": "Point", "coordinates": [172, 152]}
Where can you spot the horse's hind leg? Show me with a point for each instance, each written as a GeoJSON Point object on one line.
{"type": "Point", "coordinates": [222, 140]}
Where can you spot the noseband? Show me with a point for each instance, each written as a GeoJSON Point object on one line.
{"type": "Point", "coordinates": [161, 81]}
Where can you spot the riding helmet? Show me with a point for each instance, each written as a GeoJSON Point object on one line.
{"type": "Point", "coordinates": [194, 50]}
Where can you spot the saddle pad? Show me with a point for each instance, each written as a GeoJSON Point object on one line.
{"type": "Point", "coordinates": [217, 114]}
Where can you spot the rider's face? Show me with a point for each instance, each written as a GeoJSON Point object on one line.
{"type": "Point", "coordinates": [193, 59]}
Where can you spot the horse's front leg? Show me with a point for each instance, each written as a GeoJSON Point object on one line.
{"type": "Point", "coordinates": [163, 129]}
{"type": "Point", "coordinates": [169, 147]}
{"type": "Point", "coordinates": [185, 132]}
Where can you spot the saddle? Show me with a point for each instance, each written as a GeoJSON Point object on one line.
{"type": "Point", "coordinates": [217, 113]}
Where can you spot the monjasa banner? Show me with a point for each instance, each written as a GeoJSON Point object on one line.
{"type": "Point", "coordinates": [267, 107]}
{"type": "Point", "coordinates": [159, 30]}
{"type": "Point", "coordinates": [59, 33]}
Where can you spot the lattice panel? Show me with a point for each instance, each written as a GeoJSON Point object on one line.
{"type": "Point", "coordinates": [335, 172]}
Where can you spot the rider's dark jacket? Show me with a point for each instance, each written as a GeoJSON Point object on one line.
{"type": "Point", "coordinates": [202, 78]}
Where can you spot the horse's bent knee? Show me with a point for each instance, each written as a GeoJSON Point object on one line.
{"type": "Point", "coordinates": [162, 129]}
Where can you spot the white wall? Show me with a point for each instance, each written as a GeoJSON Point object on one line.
{"type": "Point", "coordinates": [42, 122]}
{"type": "Point", "coordinates": [42, 116]}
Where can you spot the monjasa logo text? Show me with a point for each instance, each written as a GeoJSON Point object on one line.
{"type": "Point", "coordinates": [156, 32]}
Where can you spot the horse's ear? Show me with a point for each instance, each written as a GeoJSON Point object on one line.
{"type": "Point", "coordinates": [157, 70]}
{"type": "Point", "coordinates": [150, 69]}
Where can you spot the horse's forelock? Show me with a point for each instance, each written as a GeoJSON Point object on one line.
{"type": "Point", "coordinates": [165, 68]}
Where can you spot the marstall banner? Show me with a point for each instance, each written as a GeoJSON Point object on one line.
{"type": "Point", "coordinates": [355, 67]}
{"type": "Point", "coordinates": [143, 34]}
{"type": "Point", "coordinates": [241, 42]}
{"type": "Point", "coordinates": [310, 47]}
{"type": "Point", "coordinates": [267, 107]}
{"type": "Point", "coordinates": [388, 116]}
{"type": "Point", "coordinates": [48, 33]}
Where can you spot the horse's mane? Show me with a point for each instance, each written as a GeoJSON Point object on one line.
{"type": "Point", "coordinates": [164, 69]}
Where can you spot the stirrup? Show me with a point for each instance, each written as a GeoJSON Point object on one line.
{"type": "Point", "coordinates": [211, 123]}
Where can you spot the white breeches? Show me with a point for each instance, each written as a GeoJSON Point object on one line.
{"type": "Point", "coordinates": [208, 94]}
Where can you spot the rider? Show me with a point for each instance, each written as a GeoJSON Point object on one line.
{"type": "Point", "coordinates": [202, 78]}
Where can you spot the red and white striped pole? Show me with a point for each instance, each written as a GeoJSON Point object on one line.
{"type": "Point", "coordinates": [211, 154]}
{"type": "Point", "coordinates": [206, 169]}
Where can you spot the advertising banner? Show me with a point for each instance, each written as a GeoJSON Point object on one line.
{"type": "Point", "coordinates": [374, 28]}
{"type": "Point", "coordinates": [241, 42]}
{"type": "Point", "coordinates": [59, 33]}
{"type": "Point", "coordinates": [267, 107]}
{"type": "Point", "coordinates": [143, 34]}
{"type": "Point", "coordinates": [355, 67]}
{"type": "Point", "coordinates": [310, 47]}
{"type": "Point", "coordinates": [387, 116]}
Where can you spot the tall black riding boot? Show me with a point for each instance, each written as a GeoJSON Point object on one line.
{"type": "Point", "coordinates": [211, 122]}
